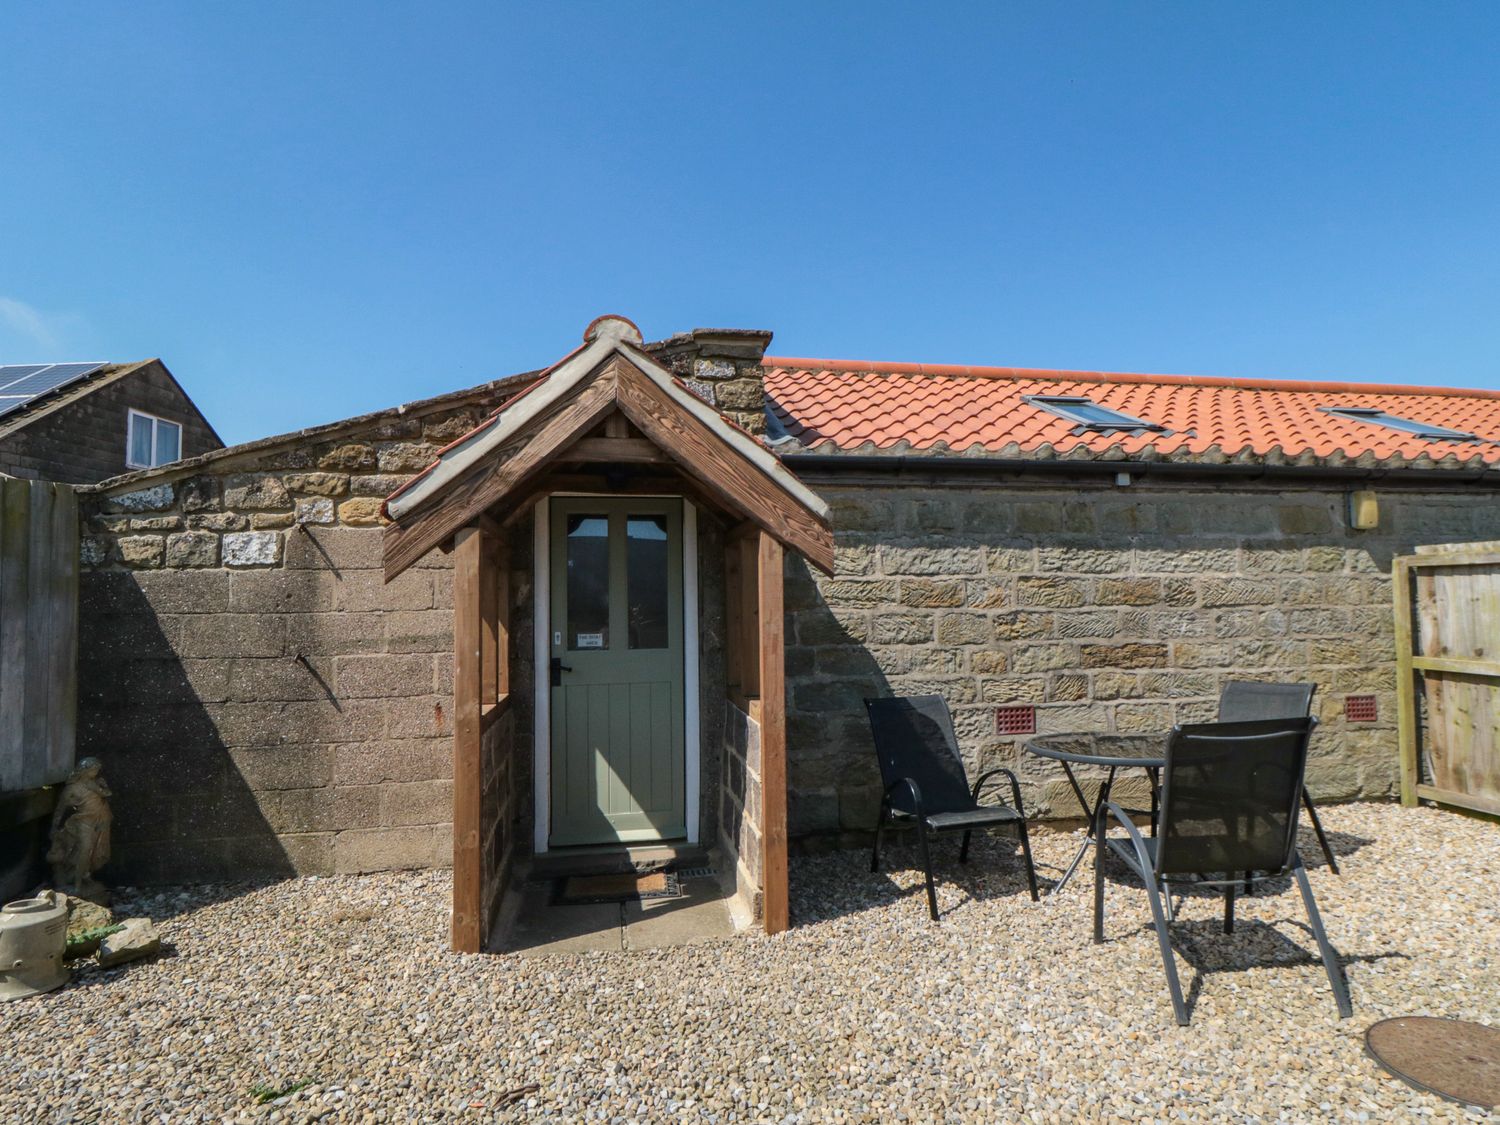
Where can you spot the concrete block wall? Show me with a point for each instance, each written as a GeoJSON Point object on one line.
{"type": "Point", "coordinates": [263, 702]}
{"type": "Point", "coordinates": [1105, 608]}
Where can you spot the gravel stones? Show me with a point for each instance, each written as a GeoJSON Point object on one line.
{"type": "Point", "coordinates": [864, 1012]}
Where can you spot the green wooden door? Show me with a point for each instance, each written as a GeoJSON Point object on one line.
{"type": "Point", "coordinates": [617, 699]}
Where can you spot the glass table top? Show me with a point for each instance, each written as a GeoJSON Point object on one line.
{"type": "Point", "coordinates": [1102, 749]}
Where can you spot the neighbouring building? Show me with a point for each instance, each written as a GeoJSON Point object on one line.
{"type": "Point", "coordinates": [78, 423]}
{"type": "Point", "coordinates": [639, 596]}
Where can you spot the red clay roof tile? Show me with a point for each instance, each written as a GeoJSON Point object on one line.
{"type": "Point", "coordinates": [852, 404]}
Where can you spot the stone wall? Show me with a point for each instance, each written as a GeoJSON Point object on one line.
{"type": "Point", "coordinates": [1105, 608]}
{"type": "Point", "coordinates": [84, 441]}
{"type": "Point", "coordinates": [262, 700]}
{"type": "Point", "coordinates": [740, 811]}
{"type": "Point", "coordinates": [723, 368]}
{"type": "Point", "coordinates": [266, 703]}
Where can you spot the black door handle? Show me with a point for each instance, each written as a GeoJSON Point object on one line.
{"type": "Point", "coordinates": [558, 668]}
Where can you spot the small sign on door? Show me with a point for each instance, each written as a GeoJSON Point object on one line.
{"type": "Point", "coordinates": [588, 640]}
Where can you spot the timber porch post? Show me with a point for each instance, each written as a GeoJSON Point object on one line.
{"type": "Point", "coordinates": [772, 675]}
{"type": "Point", "coordinates": [481, 685]}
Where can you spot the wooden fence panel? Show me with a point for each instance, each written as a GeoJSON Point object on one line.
{"type": "Point", "coordinates": [1448, 661]}
{"type": "Point", "coordinates": [38, 632]}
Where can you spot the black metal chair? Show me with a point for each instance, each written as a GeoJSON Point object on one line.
{"type": "Point", "coordinates": [1229, 804]}
{"type": "Point", "coordinates": [925, 784]}
{"type": "Point", "coordinates": [1245, 701]}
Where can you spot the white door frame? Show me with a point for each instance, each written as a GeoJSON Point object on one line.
{"type": "Point", "coordinates": [541, 593]}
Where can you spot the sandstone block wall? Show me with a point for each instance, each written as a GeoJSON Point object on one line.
{"type": "Point", "coordinates": [265, 703]}
{"type": "Point", "coordinates": [262, 700]}
{"type": "Point", "coordinates": [740, 811]}
{"type": "Point", "coordinates": [1104, 608]}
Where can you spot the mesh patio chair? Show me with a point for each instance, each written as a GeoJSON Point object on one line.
{"type": "Point", "coordinates": [1244, 701]}
{"type": "Point", "coordinates": [925, 784]}
{"type": "Point", "coordinates": [1229, 804]}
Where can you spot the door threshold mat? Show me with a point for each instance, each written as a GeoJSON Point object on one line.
{"type": "Point", "coordinates": [584, 890]}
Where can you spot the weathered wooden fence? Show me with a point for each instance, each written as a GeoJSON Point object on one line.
{"type": "Point", "coordinates": [38, 632]}
{"type": "Point", "coordinates": [1448, 668]}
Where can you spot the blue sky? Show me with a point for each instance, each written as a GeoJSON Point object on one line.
{"type": "Point", "coordinates": [310, 210]}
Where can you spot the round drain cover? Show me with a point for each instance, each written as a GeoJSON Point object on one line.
{"type": "Point", "coordinates": [1452, 1058]}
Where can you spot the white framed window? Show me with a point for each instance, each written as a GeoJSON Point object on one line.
{"type": "Point", "coordinates": [150, 441]}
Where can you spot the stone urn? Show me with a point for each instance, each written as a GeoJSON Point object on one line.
{"type": "Point", "coordinates": [33, 934]}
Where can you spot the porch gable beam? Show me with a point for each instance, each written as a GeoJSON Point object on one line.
{"type": "Point", "coordinates": [733, 480]}
{"type": "Point", "coordinates": [521, 458]}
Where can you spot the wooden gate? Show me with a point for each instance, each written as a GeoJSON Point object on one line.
{"type": "Point", "coordinates": [1448, 674]}
{"type": "Point", "coordinates": [38, 632]}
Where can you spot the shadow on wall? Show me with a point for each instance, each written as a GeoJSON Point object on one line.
{"type": "Point", "coordinates": [183, 809]}
{"type": "Point", "coordinates": [833, 780]}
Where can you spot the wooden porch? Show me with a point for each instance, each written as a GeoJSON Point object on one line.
{"type": "Point", "coordinates": [620, 427]}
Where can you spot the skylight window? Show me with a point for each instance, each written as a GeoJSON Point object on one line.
{"type": "Point", "coordinates": [1405, 425]}
{"type": "Point", "coordinates": [1089, 414]}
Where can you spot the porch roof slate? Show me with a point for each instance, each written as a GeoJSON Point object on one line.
{"type": "Point", "coordinates": [871, 407]}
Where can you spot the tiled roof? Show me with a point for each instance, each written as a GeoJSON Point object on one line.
{"type": "Point", "coordinates": [854, 406]}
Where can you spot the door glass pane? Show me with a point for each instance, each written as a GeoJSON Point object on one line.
{"type": "Point", "coordinates": [140, 441]}
{"type": "Point", "coordinates": [168, 442]}
{"type": "Point", "coordinates": [646, 580]}
{"type": "Point", "coordinates": [588, 582]}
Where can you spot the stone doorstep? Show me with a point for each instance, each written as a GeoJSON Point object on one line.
{"type": "Point", "coordinates": [614, 861]}
{"type": "Point", "coordinates": [532, 926]}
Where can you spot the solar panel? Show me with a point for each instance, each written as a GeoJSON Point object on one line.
{"type": "Point", "coordinates": [9, 375]}
{"type": "Point", "coordinates": [22, 383]}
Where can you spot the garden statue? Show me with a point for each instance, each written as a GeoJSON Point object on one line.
{"type": "Point", "coordinates": [80, 833]}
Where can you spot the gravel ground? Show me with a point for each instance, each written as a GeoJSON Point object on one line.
{"type": "Point", "coordinates": [865, 1011]}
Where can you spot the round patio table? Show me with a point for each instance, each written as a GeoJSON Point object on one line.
{"type": "Point", "coordinates": [1146, 751]}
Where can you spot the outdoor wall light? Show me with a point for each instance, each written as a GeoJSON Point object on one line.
{"type": "Point", "coordinates": [1364, 510]}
